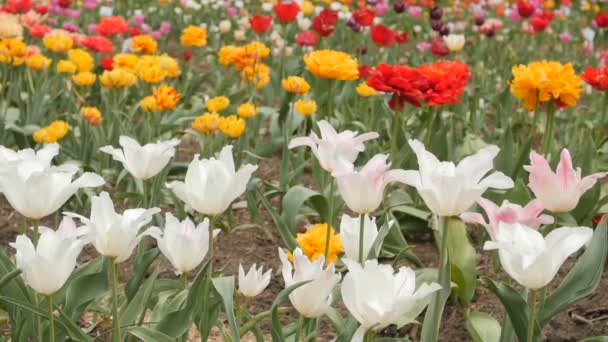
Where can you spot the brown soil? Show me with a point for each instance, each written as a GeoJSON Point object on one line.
{"type": "Point", "coordinates": [588, 317]}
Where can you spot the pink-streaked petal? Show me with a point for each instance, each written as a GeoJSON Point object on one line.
{"type": "Point", "coordinates": [588, 182]}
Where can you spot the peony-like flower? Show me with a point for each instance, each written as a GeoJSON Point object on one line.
{"type": "Point", "coordinates": [117, 78]}
{"type": "Point", "coordinates": [83, 60]}
{"type": "Point", "coordinates": [305, 107]}
{"type": "Point", "coordinates": [217, 104]}
{"type": "Point", "coordinates": [448, 189]}
{"type": "Point", "coordinates": [253, 282]}
{"type": "Point", "coordinates": [99, 44]}
{"type": "Point", "coordinates": [407, 84]}
{"type": "Point", "coordinates": [126, 61]}
{"type": "Point", "coordinates": [552, 81]}
{"type": "Point", "coordinates": [66, 67]}
{"type": "Point", "coordinates": [332, 64]}
{"type": "Point", "coordinates": [111, 26]}
{"type": "Point", "coordinates": [296, 85]}
{"type": "Point", "coordinates": [84, 79]}
{"type": "Point", "coordinates": [12, 51]}
{"type": "Point", "coordinates": [38, 62]}
{"type": "Point", "coordinates": [115, 235]}
{"type": "Point", "coordinates": [247, 110]}
{"type": "Point", "coordinates": [313, 241]}
{"type": "Point", "coordinates": [92, 115]}
{"type": "Point", "coordinates": [57, 42]}
{"type": "Point", "coordinates": [183, 244]}
{"type": "Point", "coordinates": [52, 133]}
{"type": "Point", "coordinates": [194, 36]}
{"type": "Point", "coordinates": [378, 297]}
{"type": "Point", "coordinates": [166, 97]}
{"type": "Point", "coordinates": [35, 189]}
{"type": "Point", "coordinates": [530, 215]}
{"type": "Point", "coordinates": [597, 78]}
{"type": "Point", "coordinates": [142, 162]}
{"type": "Point", "coordinates": [47, 266]}
{"type": "Point", "coordinates": [350, 232]}
{"type": "Point", "coordinates": [144, 44]}
{"type": "Point", "coordinates": [206, 123]}
{"type": "Point", "coordinates": [10, 26]}
{"type": "Point", "coordinates": [333, 150]}
{"type": "Point", "coordinates": [313, 299]}
{"type": "Point", "coordinates": [148, 104]}
{"type": "Point", "coordinates": [558, 191]}
{"type": "Point", "coordinates": [212, 184]}
{"type": "Point", "coordinates": [363, 190]}
{"type": "Point", "coordinates": [531, 259]}
{"type": "Point", "coordinates": [446, 81]}
{"type": "Point", "coordinates": [232, 126]}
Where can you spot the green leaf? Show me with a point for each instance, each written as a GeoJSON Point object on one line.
{"type": "Point", "coordinates": [139, 271]}
{"type": "Point", "coordinates": [149, 335]}
{"type": "Point", "coordinates": [225, 287]}
{"type": "Point", "coordinates": [276, 328]}
{"type": "Point", "coordinates": [90, 284]}
{"type": "Point", "coordinates": [8, 277]}
{"type": "Point", "coordinates": [463, 260]}
{"type": "Point", "coordinates": [582, 279]}
{"type": "Point", "coordinates": [483, 327]}
{"type": "Point", "coordinates": [282, 226]}
{"type": "Point", "coordinates": [514, 303]}
{"type": "Point", "coordinates": [295, 198]}
{"type": "Point", "coordinates": [139, 303]}
{"type": "Point", "coordinates": [596, 339]}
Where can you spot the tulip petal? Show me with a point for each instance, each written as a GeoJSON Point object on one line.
{"type": "Point", "coordinates": [497, 180]}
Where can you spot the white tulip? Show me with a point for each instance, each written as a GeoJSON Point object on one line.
{"type": "Point", "coordinates": [313, 299]}
{"type": "Point", "coordinates": [531, 259]}
{"type": "Point", "coordinates": [253, 282]}
{"type": "Point", "coordinates": [304, 23]}
{"type": "Point", "coordinates": [349, 232]}
{"type": "Point", "coordinates": [334, 151]}
{"type": "Point", "coordinates": [35, 189]}
{"type": "Point", "coordinates": [184, 245]}
{"type": "Point", "coordinates": [142, 162]}
{"type": "Point", "coordinates": [363, 190]}
{"type": "Point", "coordinates": [225, 26]}
{"type": "Point", "coordinates": [449, 189]}
{"type": "Point", "coordinates": [48, 266]}
{"type": "Point", "coordinates": [454, 42]}
{"type": "Point", "coordinates": [212, 184]}
{"type": "Point", "coordinates": [378, 297]}
{"type": "Point", "coordinates": [43, 156]}
{"type": "Point", "coordinates": [115, 235]}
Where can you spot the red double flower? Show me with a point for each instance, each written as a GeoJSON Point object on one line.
{"type": "Point", "coordinates": [325, 22]}
{"type": "Point", "coordinates": [596, 78]}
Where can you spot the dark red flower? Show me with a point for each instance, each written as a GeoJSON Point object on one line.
{"type": "Point", "coordinates": [286, 12]}
{"type": "Point", "coordinates": [597, 78]}
{"type": "Point", "coordinates": [134, 31]}
{"type": "Point", "coordinates": [38, 31]}
{"type": "Point", "coordinates": [601, 19]}
{"type": "Point", "coordinates": [596, 220]}
{"type": "Point", "coordinates": [447, 81]}
{"type": "Point", "coordinates": [364, 17]}
{"type": "Point", "coordinates": [187, 56]}
{"type": "Point", "coordinates": [42, 9]}
{"type": "Point", "coordinates": [18, 6]}
{"type": "Point", "coordinates": [407, 84]}
{"type": "Point", "coordinates": [306, 38]}
{"type": "Point", "coordinates": [525, 8]}
{"type": "Point", "coordinates": [110, 26]}
{"type": "Point", "coordinates": [65, 3]}
{"type": "Point", "coordinates": [324, 22]}
{"type": "Point", "coordinates": [402, 38]}
{"type": "Point", "coordinates": [438, 47]}
{"type": "Point", "coordinates": [107, 63]}
{"type": "Point", "coordinates": [98, 44]}
{"type": "Point", "coordinates": [539, 23]}
{"type": "Point", "coordinates": [260, 23]}
{"type": "Point", "coordinates": [382, 35]}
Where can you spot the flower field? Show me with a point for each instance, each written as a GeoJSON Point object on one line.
{"type": "Point", "coordinates": [303, 170]}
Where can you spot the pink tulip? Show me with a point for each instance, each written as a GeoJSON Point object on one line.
{"type": "Point", "coordinates": [415, 11]}
{"type": "Point", "coordinates": [508, 213]}
{"type": "Point", "coordinates": [381, 8]}
{"type": "Point", "coordinates": [565, 37]}
{"type": "Point", "coordinates": [423, 46]}
{"type": "Point", "coordinates": [561, 190]}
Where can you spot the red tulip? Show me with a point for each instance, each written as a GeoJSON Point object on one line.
{"type": "Point", "coordinates": [286, 12]}
{"type": "Point", "coordinates": [260, 23]}
{"type": "Point", "coordinates": [438, 47]}
{"type": "Point", "coordinates": [601, 19]}
{"type": "Point", "coordinates": [364, 17]}
{"type": "Point", "coordinates": [539, 23]}
{"type": "Point", "coordinates": [525, 8]}
{"type": "Point", "coordinates": [38, 31]}
{"type": "Point", "coordinates": [383, 36]}
{"type": "Point", "coordinates": [306, 38]}
{"type": "Point", "coordinates": [324, 23]}
{"type": "Point", "coordinates": [107, 63]}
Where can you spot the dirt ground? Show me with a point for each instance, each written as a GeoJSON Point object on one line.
{"type": "Point", "coordinates": [588, 317]}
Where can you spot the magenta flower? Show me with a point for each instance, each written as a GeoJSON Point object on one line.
{"type": "Point", "coordinates": [530, 215]}
{"type": "Point", "coordinates": [561, 190]}
{"type": "Point", "coordinates": [415, 11]}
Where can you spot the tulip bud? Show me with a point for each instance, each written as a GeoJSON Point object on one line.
{"type": "Point", "coordinates": [399, 6]}
{"type": "Point", "coordinates": [436, 25]}
{"type": "Point", "coordinates": [436, 13]}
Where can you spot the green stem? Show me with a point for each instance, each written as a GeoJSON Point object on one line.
{"type": "Point", "coordinates": [38, 319]}
{"type": "Point", "coordinates": [429, 128]}
{"type": "Point", "coordinates": [330, 218]}
{"type": "Point", "coordinates": [299, 326]}
{"type": "Point", "coordinates": [361, 238]}
{"type": "Point", "coordinates": [394, 140]}
{"type": "Point", "coordinates": [185, 279]}
{"type": "Point", "coordinates": [531, 324]}
{"type": "Point", "coordinates": [548, 134]}
{"type": "Point", "coordinates": [369, 336]}
{"type": "Point", "coordinates": [330, 100]}
{"type": "Point", "coordinates": [114, 287]}
{"type": "Point", "coordinates": [36, 230]}
{"type": "Point", "coordinates": [51, 319]}
{"type": "Point", "coordinates": [604, 112]}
